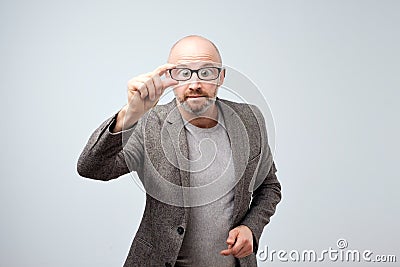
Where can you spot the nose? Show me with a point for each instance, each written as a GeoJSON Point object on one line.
{"type": "Point", "coordinates": [194, 82]}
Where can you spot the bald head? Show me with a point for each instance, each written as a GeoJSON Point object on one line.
{"type": "Point", "coordinates": [194, 48]}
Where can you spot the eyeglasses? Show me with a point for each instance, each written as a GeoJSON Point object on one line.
{"type": "Point", "coordinates": [205, 74]}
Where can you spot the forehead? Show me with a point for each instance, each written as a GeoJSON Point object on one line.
{"type": "Point", "coordinates": [197, 64]}
{"type": "Point", "coordinates": [194, 51]}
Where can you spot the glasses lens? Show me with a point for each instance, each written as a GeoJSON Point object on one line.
{"type": "Point", "coordinates": [181, 74]}
{"type": "Point", "coordinates": [210, 73]}
{"type": "Point", "coordinates": [184, 74]}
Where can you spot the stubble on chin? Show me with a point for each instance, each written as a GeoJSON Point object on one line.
{"type": "Point", "coordinates": [197, 110]}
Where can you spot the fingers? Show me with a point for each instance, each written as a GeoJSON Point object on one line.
{"type": "Point", "coordinates": [158, 84]}
{"type": "Point", "coordinates": [161, 70]}
{"type": "Point", "coordinates": [243, 253]}
{"type": "Point", "coordinates": [151, 89]}
{"type": "Point", "coordinates": [239, 245]}
{"type": "Point", "coordinates": [168, 82]}
{"type": "Point", "coordinates": [157, 73]}
{"type": "Point", "coordinates": [230, 241]}
{"type": "Point", "coordinates": [150, 84]}
{"type": "Point", "coordinates": [226, 252]}
{"type": "Point", "coordinates": [232, 236]}
{"type": "Point", "coordinates": [242, 248]}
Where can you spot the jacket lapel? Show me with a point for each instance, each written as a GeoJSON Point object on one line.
{"type": "Point", "coordinates": [176, 131]}
{"type": "Point", "coordinates": [240, 150]}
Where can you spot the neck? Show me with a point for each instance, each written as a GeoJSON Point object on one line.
{"type": "Point", "coordinates": [206, 120]}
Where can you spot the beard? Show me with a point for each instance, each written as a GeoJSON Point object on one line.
{"type": "Point", "coordinates": [198, 109]}
{"type": "Point", "coordinates": [201, 103]}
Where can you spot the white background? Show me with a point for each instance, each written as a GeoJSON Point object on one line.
{"type": "Point", "coordinates": [328, 69]}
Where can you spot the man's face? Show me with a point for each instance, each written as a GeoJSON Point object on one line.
{"type": "Point", "coordinates": [197, 93]}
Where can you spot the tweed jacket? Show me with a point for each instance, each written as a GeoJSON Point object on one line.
{"type": "Point", "coordinates": [156, 148]}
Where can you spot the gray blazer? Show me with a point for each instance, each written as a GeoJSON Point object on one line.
{"type": "Point", "coordinates": [156, 148]}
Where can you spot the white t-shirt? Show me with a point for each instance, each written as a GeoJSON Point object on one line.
{"type": "Point", "coordinates": [208, 227]}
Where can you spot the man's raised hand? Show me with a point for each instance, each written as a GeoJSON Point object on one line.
{"type": "Point", "coordinates": [144, 91]}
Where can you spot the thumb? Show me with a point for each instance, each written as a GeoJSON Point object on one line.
{"type": "Point", "coordinates": [232, 237]}
{"type": "Point", "coordinates": [167, 82]}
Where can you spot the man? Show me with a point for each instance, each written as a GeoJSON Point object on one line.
{"type": "Point", "coordinates": [206, 205]}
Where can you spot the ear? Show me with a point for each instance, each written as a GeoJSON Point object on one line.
{"type": "Point", "coordinates": [221, 77]}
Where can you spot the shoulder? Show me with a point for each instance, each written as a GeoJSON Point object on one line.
{"type": "Point", "coordinates": [246, 111]}
{"type": "Point", "coordinates": [250, 117]}
{"type": "Point", "coordinates": [237, 104]}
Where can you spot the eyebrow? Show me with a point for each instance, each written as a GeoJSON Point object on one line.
{"type": "Point", "coordinates": [201, 66]}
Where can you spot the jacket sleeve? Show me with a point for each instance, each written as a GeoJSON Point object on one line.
{"type": "Point", "coordinates": [266, 191]}
{"type": "Point", "coordinates": [106, 154]}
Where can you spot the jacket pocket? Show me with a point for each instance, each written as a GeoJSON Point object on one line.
{"type": "Point", "coordinates": [254, 159]}
{"type": "Point", "coordinates": [252, 164]}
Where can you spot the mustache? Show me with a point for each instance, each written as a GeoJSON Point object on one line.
{"type": "Point", "coordinates": [195, 95]}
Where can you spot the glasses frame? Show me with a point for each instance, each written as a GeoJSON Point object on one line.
{"type": "Point", "coordinates": [197, 73]}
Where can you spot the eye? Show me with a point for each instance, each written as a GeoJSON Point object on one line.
{"type": "Point", "coordinates": [206, 72]}
{"type": "Point", "coordinates": [184, 73]}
